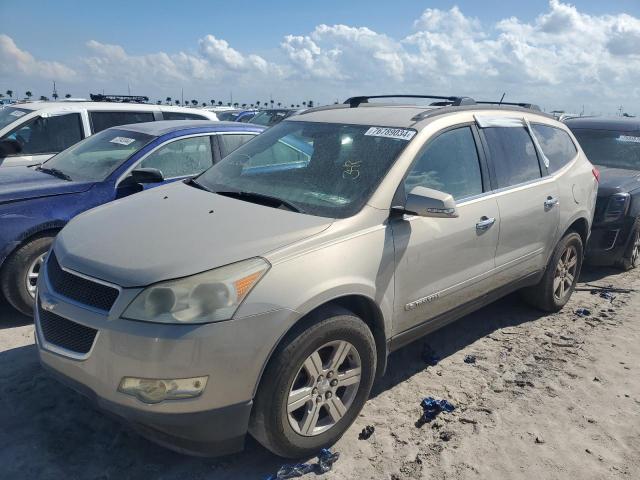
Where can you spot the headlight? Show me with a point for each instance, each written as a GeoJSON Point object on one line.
{"type": "Point", "coordinates": [616, 207]}
{"type": "Point", "coordinates": [206, 297]}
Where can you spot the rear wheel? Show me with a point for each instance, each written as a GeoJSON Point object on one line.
{"type": "Point", "coordinates": [560, 277]}
{"type": "Point", "coordinates": [20, 273]}
{"type": "Point", "coordinates": [631, 256]}
{"type": "Point", "coordinates": [315, 386]}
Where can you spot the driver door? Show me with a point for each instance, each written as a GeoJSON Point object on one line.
{"type": "Point", "coordinates": [442, 263]}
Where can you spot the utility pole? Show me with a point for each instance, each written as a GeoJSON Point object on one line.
{"type": "Point", "coordinates": [55, 93]}
{"type": "Point", "coordinates": [181, 96]}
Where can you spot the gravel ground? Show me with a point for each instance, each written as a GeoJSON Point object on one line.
{"type": "Point", "coordinates": [549, 396]}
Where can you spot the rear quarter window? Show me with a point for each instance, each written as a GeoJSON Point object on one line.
{"type": "Point", "coordinates": [556, 145]}
{"type": "Point", "coordinates": [513, 155]}
{"type": "Point", "coordinates": [182, 116]}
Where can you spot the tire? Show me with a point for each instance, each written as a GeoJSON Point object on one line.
{"type": "Point", "coordinates": [13, 278]}
{"type": "Point", "coordinates": [285, 432]}
{"type": "Point", "coordinates": [546, 295]}
{"type": "Point", "coordinates": [631, 257]}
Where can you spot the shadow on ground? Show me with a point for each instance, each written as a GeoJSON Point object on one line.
{"type": "Point", "coordinates": [10, 318]}
{"type": "Point", "coordinates": [40, 418]}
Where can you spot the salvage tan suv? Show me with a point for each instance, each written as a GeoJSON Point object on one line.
{"type": "Point", "coordinates": [265, 295]}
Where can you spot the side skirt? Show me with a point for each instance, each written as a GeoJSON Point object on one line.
{"type": "Point", "coordinates": [440, 321]}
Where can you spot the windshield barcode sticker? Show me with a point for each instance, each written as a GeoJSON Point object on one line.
{"type": "Point", "coordinates": [628, 138]}
{"type": "Point", "coordinates": [18, 113]}
{"type": "Point", "coordinates": [398, 133]}
{"type": "Point", "coordinates": [123, 140]}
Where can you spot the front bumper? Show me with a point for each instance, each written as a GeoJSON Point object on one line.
{"type": "Point", "coordinates": [231, 353]}
{"type": "Point", "coordinates": [608, 242]}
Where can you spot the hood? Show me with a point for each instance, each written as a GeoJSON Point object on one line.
{"type": "Point", "coordinates": [617, 180]}
{"type": "Point", "coordinates": [23, 183]}
{"type": "Point", "coordinates": [175, 231]}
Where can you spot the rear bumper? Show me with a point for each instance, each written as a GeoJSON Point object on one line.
{"type": "Point", "coordinates": [210, 433]}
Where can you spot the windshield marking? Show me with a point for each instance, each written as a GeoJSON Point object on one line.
{"type": "Point", "coordinates": [397, 133]}
{"type": "Point", "coordinates": [123, 140]}
{"type": "Point", "coordinates": [628, 139]}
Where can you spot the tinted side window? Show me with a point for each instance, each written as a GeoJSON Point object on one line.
{"type": "Point", "coordinates": [556, 145]}
{"type": "Point", "coordinates": [103, 120]}
{"type": "Point", "coordinates": [182, 116]}
{"type": "Point", "coordinates": [228, 143]}
{"type": "Point", "coordinates": [449, 164]}
{"type": "Point", "coordinates": [513, 155]}
{"type": "Point", "coordinates": [189, 156]}
{"type": "Point", "coordinates": [49, 135]}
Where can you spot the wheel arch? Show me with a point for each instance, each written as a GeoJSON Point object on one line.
{"type": "Point", "coordinates": [32, 233]}
{"type": "Point", "coordinates": [357, 304]}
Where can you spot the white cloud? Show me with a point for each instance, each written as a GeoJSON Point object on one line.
{"type": "Point", "coordinates": [14, 61]}
{"type": "Point", "coordinates": [561, 59]}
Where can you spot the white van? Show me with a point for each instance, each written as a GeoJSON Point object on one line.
{"type": "Point", "coordinates": [31, 133]}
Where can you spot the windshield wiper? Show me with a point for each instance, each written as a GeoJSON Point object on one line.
{"type": "Point", "coordinates": [263, 198]}
{"type": "Point", "coordinates": [55, 172]}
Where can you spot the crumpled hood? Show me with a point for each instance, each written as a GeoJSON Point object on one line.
{"type": "Point", "coordinates": [23, 183]}
{"type": "Point", "coordinates": [175, 231]}
{"type": "Point", "coordinates": [615, 180]}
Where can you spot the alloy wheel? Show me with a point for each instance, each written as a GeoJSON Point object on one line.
{"type": "Point", "coordinates": [635, 253]}
{"type": "Point", "coordinates": [565, 274]}
{"type": "Point", "coordinates": [324, 388]}
{"type": "Point", "coordinates": [33, 273]}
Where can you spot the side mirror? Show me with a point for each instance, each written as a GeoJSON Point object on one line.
{"type": "Point", "coordinates": [9, 146]}
{"type": "Point", "coordinates": [426, 202]}
{"type": "Point", "coordinates": [147, 175]}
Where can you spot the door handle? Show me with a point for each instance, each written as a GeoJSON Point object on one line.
{"type": "Point", "coordinates": [485, 223]}
{"type": "Point", "coordinates": [551, 202]}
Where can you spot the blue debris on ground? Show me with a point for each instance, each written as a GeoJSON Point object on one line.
{"type": "Point", "coordinates": [326, 459]}
{"type": "Point", "coordinates": [431, 408]}
{"type": "Point", "coordinates": [469, 359]}
{"type": "Point", "coordinates": [366, 432]}
{"type": "Point", "coordinates": [583, 312]}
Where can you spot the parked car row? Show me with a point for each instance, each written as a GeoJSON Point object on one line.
{"type": "Point", "coordinates": [263, 292]}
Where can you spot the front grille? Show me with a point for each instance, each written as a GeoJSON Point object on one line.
{"type": "Point", "coordinates": [80, 289]}
{"type": "Point", "coordinates": [65, 333]}
{"type": "Point", "coordinates": [601, 206]}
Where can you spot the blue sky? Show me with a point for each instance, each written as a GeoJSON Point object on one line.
{"type": "Point", "coordinates": [242, 45]}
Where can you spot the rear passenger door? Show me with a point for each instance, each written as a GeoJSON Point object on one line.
{"type": "Point", "coordinates": [101, 120]}
{"type": "Point", "coordinates": [442, 263]}
{"type": "Point", "coordinates": [228, 142]}
{"type": "Point", "coordinates": [527, 197]}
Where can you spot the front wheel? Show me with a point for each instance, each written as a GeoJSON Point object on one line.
{"type": "Point", "coordinates": [21, 271]}
{"type": "Point", "coordinates": [315, 386]}
{"type": "Point", "coordinates": [631, 256]}
{"type": "Point", "coordinates": [560, 277]}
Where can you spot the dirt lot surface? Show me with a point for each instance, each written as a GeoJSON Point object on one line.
{"type": "Point", "coordinates": [549, 397]}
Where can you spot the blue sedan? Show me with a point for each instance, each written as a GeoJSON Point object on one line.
{"type": "Point", "coordinates": [36, 202]}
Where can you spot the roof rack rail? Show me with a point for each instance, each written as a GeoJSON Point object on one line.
{"type": "Point", "coordinates": [530, 106]}
{"type": "Point", "coordinates": [354, 102]}
{"type": "Point", "coordinates": [99, 97]}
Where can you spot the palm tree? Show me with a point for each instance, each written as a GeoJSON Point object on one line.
{"type": "Point", "coordinates": [204, 104]}
{"type": "Point", "coordinates": [310, 104]}
{"type": "Point", "coordinates": [1, 95]}
{"type": "Point", "coordinates": [177, 102]}
{"type": "Point", "coordinates": [244, 105]}
{"type": "Point", "coordinates": [279, 104]}
{"type": "Point", "coordinates": [43, 98]}
{"type": "Point", "coordinates": [194, 103]}
{"type": "Point", "coordinates": [219, 103]}
{"type": "Point", "coordinates": [55, 95]}
{"type": "Point", "coordinates": [68, 95]}
{"type": "Point", "coordinates": [271, 101]}
{"type": "Point", "coordinates": [213, 102]}
{"type": "Point", "coordinates": [258, 103]}
{"type": "Point", "coordinates": [292, 105]}
{"type": "Point", "coordinates": [168, 100]}
{"type": "Point", "coordinates": [28, 94]}
{"type": "Point", "coordinates": [159, 102]}
{"type": "Point", "coordinates": [304, 104]}
{"type": "Point", "coordinates": [10, 93]}
{"type": "Point", "coordinates": [228, 104]}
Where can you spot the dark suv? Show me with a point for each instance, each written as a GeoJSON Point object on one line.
{"type": "Point", "coordinates": [613, 144]}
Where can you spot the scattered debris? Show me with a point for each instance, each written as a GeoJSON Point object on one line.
{"type": "Point", "coordinates": [326, 459]}
{"type": "Point", "coordinates": [366, 432]}
{"type": "Point", "coordinates": [606, 288]}
{"type": "Point", "coordinates": [468, 420]}
{"type": "Point", "coordinates": [596, 379]}
{"type": "Point", "coordinates": [583, 312]}
{"type": "Point", "coordinates": [606, 295]}
{"type": "Point", "coordinates": [446, 435]}
{"type": "Point", "coordinates": [469, 359]}
{"type": "Point", "coordinates": [539, 440]}
{"type": "Point", "coordinates": [429, 356]}
{"type": "Point", "coordinates": [587, 450]}
{"type": "Point", "coordinates": [431, 408]}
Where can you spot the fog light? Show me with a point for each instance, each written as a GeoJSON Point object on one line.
{"type": "Point", "coordinates": [152, 390]}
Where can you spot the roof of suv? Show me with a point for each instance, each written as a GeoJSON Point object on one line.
{"type": "Point", "coordinates": [163, 127]}
{"type": "Point", "coordinates": [102, 106]}
{"type": "Point", "coordinates": [605, 123]}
